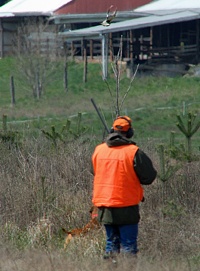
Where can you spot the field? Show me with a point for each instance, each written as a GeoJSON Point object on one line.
{"type": "Point", "coordinates": [45, 169]}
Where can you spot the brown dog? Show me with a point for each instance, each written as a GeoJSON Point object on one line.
{"type": "Point", "coordinates": [92, 224]}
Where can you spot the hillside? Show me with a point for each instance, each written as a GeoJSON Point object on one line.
{"type": "Point", "coordinates": [46, 178]}
{"type": "Point", "coordinates": [152, 103]}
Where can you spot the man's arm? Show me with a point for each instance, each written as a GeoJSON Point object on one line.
{"type": "Point", "coordinates": [144, 168]}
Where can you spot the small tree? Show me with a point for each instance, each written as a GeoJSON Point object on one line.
{"type": "Point", "coordinates": [166, 169]}
{"type": "Point", "coordinates": [36, 47]}
{"type": "Point", "coordinates": [116, 97]}
{"type": "Point", "coordinates": [118, 100]}
{"type": "Point", "coordinates": [189, 128]}
{"type": "Point", "coordinates": [66, 133]}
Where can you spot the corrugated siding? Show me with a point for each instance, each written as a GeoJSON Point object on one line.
{"type": "Point", "coordinates": [96, 6]}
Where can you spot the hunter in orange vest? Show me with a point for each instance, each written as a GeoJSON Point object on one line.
{"type": "Point", "coordinates": [120, 169]}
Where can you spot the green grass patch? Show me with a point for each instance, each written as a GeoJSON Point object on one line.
{"type": "Point", "coordinates": [152, 102]}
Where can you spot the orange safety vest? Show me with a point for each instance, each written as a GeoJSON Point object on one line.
{"type": "Point", "coordinates": [115, 181]}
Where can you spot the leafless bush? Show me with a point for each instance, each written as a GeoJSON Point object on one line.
{"type": "Point", "coordinates": [37, 47]}
{"type": "Point", "coordinates": [38, 181]}
{"type": "Point", "coordinates": [170, 215]}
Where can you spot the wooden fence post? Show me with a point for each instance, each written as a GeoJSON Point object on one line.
{"type": "Point", "coordinates": [5, 123]}
{"type": "Point", "coordinates": [66, 68]}
{"type": "Point", "coordinates": [12, 90]}
{"type": "Point", "coordinates": [85, 61]}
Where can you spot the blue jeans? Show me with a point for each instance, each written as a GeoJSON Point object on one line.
{"type": "Point", "coordinates": [121, 238]}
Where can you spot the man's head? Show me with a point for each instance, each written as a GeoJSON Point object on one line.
{"type": "Point", "coordinates": [123, 125]}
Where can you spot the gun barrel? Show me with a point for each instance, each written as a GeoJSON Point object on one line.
{"type": "Point", "coordinates": [100, 116]}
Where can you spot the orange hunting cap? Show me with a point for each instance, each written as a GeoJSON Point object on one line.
{"type": "Point", "coordinates": [122, 123]}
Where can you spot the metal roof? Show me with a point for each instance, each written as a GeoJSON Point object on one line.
{"type": "Point", "coordinates": [169, 5]}
{"type": "Point", "coordinates": [92, 17]}
{"type": "Point", "coordinates": [21, 7]}
{"type": "Point", "coordinates": [151, 20]}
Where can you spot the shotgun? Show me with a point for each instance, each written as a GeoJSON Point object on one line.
{"type": "Point", "coordinates": [100, 116]}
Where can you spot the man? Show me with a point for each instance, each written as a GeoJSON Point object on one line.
{"type": "Point", "coordinates": [120, 169]}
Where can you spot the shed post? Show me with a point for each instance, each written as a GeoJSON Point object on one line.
{"type": "Point", "coordinates": [197, 40]}
{"type": "Point", "coordinates": [72, 50]}
{"type": "Point", "coordinates": [91, 49]}
{"type": "Point", "coordinates": [151, 42]}
{"type": "Point", "coordinates": [131, 45]}
{"type": "Point", "coordinates": [111, 46]}
{"type": "Point", "coordinates": [85, 61]}
{"type": "Point", "coordinates": [1, 39]}
{"type": "Point", "coordinates": [104, 56]}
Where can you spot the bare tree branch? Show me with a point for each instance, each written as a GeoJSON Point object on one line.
{"type": "Point", "coordinates": [36, 48]}
{"type": "Point", "coordinates": [125, 95]}
{"type": "Point", "coordinates": [117, 68]}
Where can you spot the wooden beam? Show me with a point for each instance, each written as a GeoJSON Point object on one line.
{"type": "Point", "coordinates": [197, 40]}
{"type": "Point", "coordinates": [131, 44]}
{"type": "Point", "coordinates": [85, 61]}
{"type": "Point", "coordinates": [91, 49]}
{"type": "Point", "coordinates": [111, 46]}
{"type": "Point", "coordinates": [151, 40]}
{"type": "Point", "coordinates": [127, 44]}
{"type": "Point", "coordinates": [72, 50]}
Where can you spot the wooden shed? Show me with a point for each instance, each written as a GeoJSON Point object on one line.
{"type": "Point", "coordinates": [167, 33]}
{"type": "Point", "coordinates": [79, 14]}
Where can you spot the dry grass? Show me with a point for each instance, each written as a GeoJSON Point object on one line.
{"type": "Point", "coordinates": [57, 261]}
{"type": "Point", "coordinates": [43, 189]}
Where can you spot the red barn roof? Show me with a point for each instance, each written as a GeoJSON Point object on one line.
{"type": "Point", "coordinates": [96, 6]}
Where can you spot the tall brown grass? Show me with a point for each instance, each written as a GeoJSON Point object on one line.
{"type": "Point", "coordinates": [43, 188]}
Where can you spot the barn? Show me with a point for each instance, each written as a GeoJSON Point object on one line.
{"type": "Point", "coordinates": [153, 33]}
{"type": "Point", "coordinates": [65, 14]}
{"type": "Point", "coordinates": [162, 32]}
